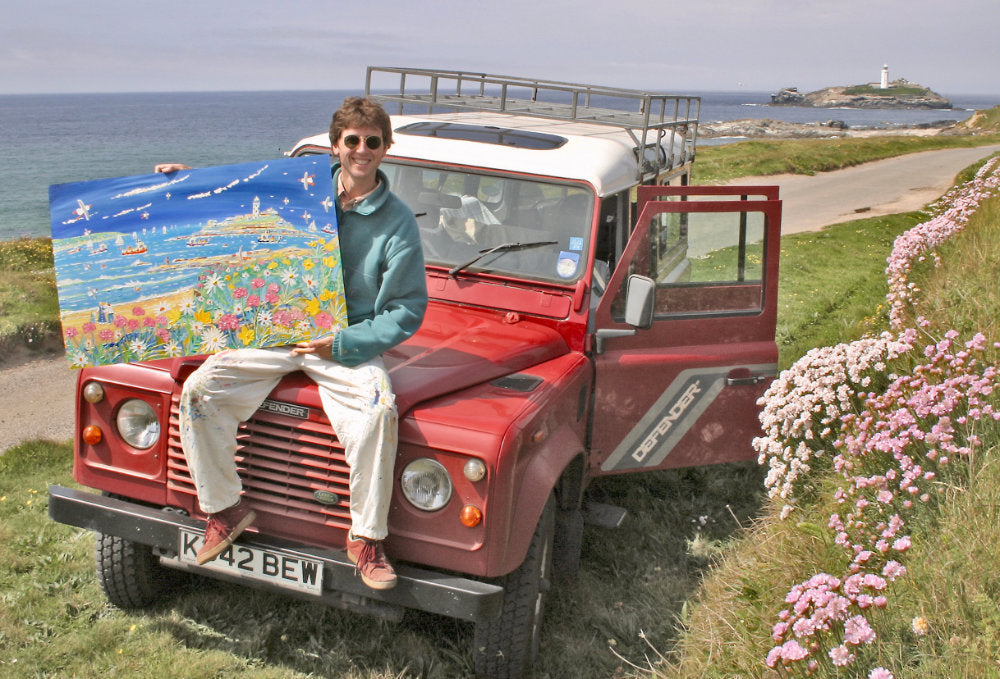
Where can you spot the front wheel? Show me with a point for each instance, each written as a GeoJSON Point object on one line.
{"type": "Point", "coordinates": [129, 573]}
{"type": "Point", "coordinates": [508, 644]}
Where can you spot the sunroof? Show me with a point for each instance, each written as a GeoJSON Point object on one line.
{"type": "Point", "coordinates": [486, 134]}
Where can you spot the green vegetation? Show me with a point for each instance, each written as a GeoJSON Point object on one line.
{"type": "Point", "coordinates": [894, 90]}
{"type": "Point", "coordinates": [718, 164]}
{"type": "Point", "coordinates": [29, 311]}
{"type": "Point", "coordinates": [639, 586]}
{"type": "Point", "coordinates": [984, 122]}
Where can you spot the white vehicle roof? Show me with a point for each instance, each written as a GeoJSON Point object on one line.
{"type": "Point", "coordinates": [604, 157]}
{"type": "Point", "coordinates": [600, 132]}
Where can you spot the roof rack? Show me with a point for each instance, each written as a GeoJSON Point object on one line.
{"type": "Point", "coordinates": [648, 117]}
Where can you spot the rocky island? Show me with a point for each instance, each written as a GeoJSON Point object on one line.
{"type": "Point", "coordinates": [900, 93]}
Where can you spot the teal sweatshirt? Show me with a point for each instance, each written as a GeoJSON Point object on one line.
{"type": "Point", "coordinates": [383, 265]}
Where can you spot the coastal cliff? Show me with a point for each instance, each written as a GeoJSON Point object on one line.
{"type": "Point", "coordinates": [899, 94]}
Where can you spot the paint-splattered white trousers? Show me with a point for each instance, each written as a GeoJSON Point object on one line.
{"type": "Point", "coordinates": [359, 402]}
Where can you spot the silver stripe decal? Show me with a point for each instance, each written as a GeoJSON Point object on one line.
{"type": "Point", "coordinates": [672, 415]}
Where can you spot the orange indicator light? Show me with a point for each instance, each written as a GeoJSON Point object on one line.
{"type": "Point", "coordinates": [470, 516]}
{"type": "Point", "coordinates": [92, 434]}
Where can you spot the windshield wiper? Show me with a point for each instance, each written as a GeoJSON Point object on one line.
{"type": "Point", "coordinates": [505, 247]}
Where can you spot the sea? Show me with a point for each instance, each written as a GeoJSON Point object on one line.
{"type": "Point", "coordinates": [48, 139]}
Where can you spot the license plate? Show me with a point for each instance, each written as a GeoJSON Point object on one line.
{"type": "Point", "coordinates": [264, 565]}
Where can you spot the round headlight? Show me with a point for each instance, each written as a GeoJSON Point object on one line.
{"type": "Point", "coordinates": [426, 484]}
{"type": "Point", "coordinates": [138, 424]}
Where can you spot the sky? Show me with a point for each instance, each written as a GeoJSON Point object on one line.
{"type": "Point", "coordinates": [62, 46]}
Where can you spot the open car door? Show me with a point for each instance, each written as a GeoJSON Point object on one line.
{"type": "Point", "coordinates": [682, 390]}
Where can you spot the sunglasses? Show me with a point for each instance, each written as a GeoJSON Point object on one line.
{"type": "Point", "coordinates": [373, 142]}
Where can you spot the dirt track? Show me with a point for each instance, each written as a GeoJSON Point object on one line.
{"type": "Point", "coordinates": [36, 396]}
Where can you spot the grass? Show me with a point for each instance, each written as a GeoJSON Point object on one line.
{"type": "Point", "coordinates": [638, 586]}
{"type": "Point", "coordinates": [717, 164]}
{"type": "Point", "coordinates": [29, 310]}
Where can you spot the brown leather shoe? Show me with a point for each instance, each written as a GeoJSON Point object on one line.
{"type": "Point", "coordinates": [222, 529]}
{"type": "Point", "coordinates": [372, 564]}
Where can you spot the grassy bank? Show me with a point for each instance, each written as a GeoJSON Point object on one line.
{"type": "Point", "coordinates": [939, 620]}
{"type": "Point", "coordinates": [637, 585]}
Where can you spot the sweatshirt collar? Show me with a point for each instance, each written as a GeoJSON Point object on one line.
{"type": "Point", "coordinates": [367, 203]}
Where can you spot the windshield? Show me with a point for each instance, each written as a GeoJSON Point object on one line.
{"type": "Point", "coordinates": [538, 230]}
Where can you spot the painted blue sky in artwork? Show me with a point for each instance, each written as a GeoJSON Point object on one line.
{"type": "Point", "coordinates": [128, 239]}
{"type": "Point", "coordinates": [188, 197]}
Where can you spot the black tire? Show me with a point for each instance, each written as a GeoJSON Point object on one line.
{"type": "Point", "coordinates": [129, 573]}
{"type": "Point", "coordinates": [507, 645]}
{"type": "Point", "coordinates": [568, 545]}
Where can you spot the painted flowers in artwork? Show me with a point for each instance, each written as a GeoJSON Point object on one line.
{"type": "Point", "coordinates": [268, 302]}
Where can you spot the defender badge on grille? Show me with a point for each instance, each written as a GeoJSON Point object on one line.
{"type": "Point", "coordinates": [326, 497]}
{"type": "Point", "coordinates": [283, 408]}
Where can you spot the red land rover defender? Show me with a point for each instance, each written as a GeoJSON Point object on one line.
{"type": "Point", "coordinates": [590, 314]}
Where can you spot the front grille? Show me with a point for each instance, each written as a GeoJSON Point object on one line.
{"type": "Point", "coordinates": [282, 461]}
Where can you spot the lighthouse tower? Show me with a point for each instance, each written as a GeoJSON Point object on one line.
{"type": "Point", "coordinates": [885, 77]}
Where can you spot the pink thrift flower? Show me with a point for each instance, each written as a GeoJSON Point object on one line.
{"type": "Point", "coordinates": [778, 631]}
{"type": "Point", "coordinates": [841, 656]}
{"type": "Point", "coordinates": [857, 631]}
{"type": "Point", "coordinates": [880, 673]}
{"type": "Point", "coordinates": [792, 651]}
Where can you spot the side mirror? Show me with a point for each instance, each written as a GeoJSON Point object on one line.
{"type": "Point", "coordinates": [640, 298]}
{"type": "Point", "coordinates": [639, 301]}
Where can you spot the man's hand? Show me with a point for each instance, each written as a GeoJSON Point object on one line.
{"type": "Point", "coordinates": [167, 168]}
{"type": "Point", "coordinates": [322, 347]}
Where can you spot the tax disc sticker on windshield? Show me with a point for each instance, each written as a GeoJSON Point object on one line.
{"type": "Point", "coordinates": [568, 262]}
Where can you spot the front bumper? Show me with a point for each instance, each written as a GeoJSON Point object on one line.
{"type": "Point", "coordinates": [419, 589]}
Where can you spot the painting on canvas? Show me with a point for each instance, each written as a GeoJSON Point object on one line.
{"type": "Point", "coordinates": [197, 261]}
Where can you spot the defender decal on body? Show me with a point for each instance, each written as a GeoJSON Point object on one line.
{"type": "Point", "coordinates": [672, 416]}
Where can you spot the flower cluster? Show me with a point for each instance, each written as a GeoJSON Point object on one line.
{"type": "Point", "coordinates": [823, 605]}
{"type": "Point", "coordinates": [891, 453]}
{"type": "Point", "coordinates": [256, 303]}
{"type": "Point", "coordinates": [920, 241]}
{"type": "Point", "coordinates": [802, 408]}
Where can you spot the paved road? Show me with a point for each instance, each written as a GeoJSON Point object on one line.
{"type": "Point", "coordinates": [882, 187]}
{"type": "Point", "coordinates": [36, 398]}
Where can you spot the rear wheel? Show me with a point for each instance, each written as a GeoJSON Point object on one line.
{"type": "Point", "coordinates": [129, 573]}
{"type": "Point", "coordinates": [508, 644]}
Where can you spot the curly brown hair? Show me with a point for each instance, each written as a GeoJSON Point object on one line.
{"type": "Point", "coordinates": [360, 112]}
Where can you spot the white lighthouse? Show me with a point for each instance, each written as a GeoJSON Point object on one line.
{"type": "Point", "coordinates": [885, 77]}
